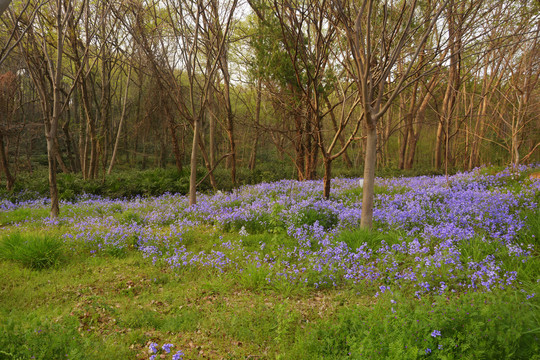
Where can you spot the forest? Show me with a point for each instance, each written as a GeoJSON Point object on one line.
{"type": "Point", "coordinates": [269, 179]}
{"type": "Point", "coordinates": [297, 88]}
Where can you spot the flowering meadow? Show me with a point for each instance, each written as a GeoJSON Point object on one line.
{"type": "Point", "coordinates": [274, 270]}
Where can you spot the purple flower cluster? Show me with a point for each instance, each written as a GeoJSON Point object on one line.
{"type": "Point", "coordinates": [154, 350]}
{"type": "Point", "coordinates": [441, 221]}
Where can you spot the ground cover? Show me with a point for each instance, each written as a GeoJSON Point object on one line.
{"type": "Point", "coordinates": [274, 270]}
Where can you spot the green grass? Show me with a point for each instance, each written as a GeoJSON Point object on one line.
{"type": "Point", "coordinates": [22, 214]}
{"type": "Point", "coordinates": [33, 251]}
{"type": "Point", "coordinates": [105, 307]}
{"type": "Point", "coordinates": [110, 305]}
{"type": "Point", "coordinates": [122, 303]}
{"type": "Point", "coordinates": [355, 238]}
{"type": "Point", "coordinates": [472, 326]}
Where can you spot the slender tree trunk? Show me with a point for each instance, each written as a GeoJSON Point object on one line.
{"type": "Point", "coordinates": [230, 116]}
{"type": "Point", "coordinates": [71, 150]}
{"type": "Point", "coordinates": [253, 155]}
{"type": "Point", "coordinates": [366, 220]}
{"type": "Point", "coordinates": [452, 88]}
{"type": "Point", "coordinates": [51, 126]}
{"type": "Point", "coordinates": [300, 154]}
{"type": "Point", "coordinates": [409, 116]}
{"type": "Point", "coordinates": [212, 129]}
{"type": "Point", "coordinates": [207, 162]}
{"type": "Point", "coordinates": [327, 176]}
{"type": "Point", "coordinates": [59, 159]}
{"type": "Point", "coordinates": [193, 164]}
{"type": "Point", "coordinates": [122, 117]}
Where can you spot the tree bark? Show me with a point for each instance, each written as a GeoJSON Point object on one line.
{"type": "Point", "coordinates": [10, 181]}
{"type": "Point", "coordinates": [327, 177]}
{"type": "Point", "coordinates": [370, 163]}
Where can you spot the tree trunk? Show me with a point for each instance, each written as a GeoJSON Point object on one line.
{"type": "Point", "coordinates": [207, 163]}
{"type": "Point", "coordinates": [224, 65]}
{"type": "Point", "coordinates": [72, 153]}
{"type": "Point", "coordinates": [419, 117]}
{"type": "Point", "coordinates": [122, 117]}
{"type": "Point", "coordinates": [370, 163]}
{"type": "Point", "coordinates": [253, 155]}
{"type": "Point", "coordinates": [5, 165]}
{"type": "Point", "coordinates": [327, 177]}
{"type": "Point", "coordinates": [59, 159]}
{"type": "Point", "coordinates": [51, 126]}
{"type": "Point", "coordinates": [211, 115]}
{"type": "Point", "coordinates": [193, 164]}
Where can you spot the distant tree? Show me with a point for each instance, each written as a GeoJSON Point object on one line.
{"type": "Point", "coordinates": [309, 36]}
{"type": "Point", "coordinates": [275, 63]}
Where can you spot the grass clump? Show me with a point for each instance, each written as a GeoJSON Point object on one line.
{"type": "Point", "coordinates": [37, 252]}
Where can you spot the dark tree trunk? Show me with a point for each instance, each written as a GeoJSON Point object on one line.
{"type": "Point", "coordinates": [5, 165]}
{"type": "Point", "coordinates": [327, 177]}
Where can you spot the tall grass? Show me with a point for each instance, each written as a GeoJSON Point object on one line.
{"type": "Point", "coordinates": [33, 251]}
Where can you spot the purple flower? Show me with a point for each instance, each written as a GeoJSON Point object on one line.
{"type": "Point", "coordinates": [435, 333]}
{"type": "Point", "coordinates": [428, 350]}
{"type": "Point", "coordinates": [153, 347]}
{"type": "Point", "coordinates": [167, 347]}
{"type": "Point", "coordinates": [178, 356]}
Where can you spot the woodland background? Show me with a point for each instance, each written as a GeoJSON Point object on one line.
{"type": "Point", "coordinates": [234, 92]}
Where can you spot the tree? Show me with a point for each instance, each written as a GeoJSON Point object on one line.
{"type": "Point", "coordinates": [283, 72]}
{"type": "Point", "coordinates": [309, 36]}
{"type": "Point", "coordinates": [379, 34]}
{"type": "Point", "coordinates": [47, 76]}
{"type": "Point", "coordinates": [9, 85]}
